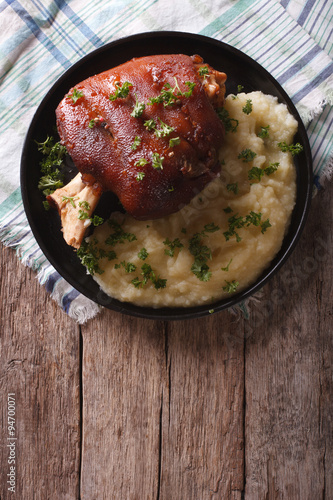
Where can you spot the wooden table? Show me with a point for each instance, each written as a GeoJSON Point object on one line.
{"type": "Point", "coordinates": [217, 408]}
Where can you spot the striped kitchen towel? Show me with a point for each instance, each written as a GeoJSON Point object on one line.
{"type": "Point", "coordinates": [40, 39]}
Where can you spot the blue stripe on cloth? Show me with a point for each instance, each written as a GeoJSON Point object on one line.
{"type": "Point", "coordinates": [18, 238]}
{"type": "Point", "coordinates": [328, 35]}
{"type": "Point", "coordinates": [323, 139]}
{"type": "Point", "coordinates": [273, 47]}
{"type": "Point", "coordinates": [305, 12]}
{"type": "Point", "coordinates": [68, 299]}
{"type": "Point", "coordinates": [50, 19]}
{"type": "Point", "coordinates": [51, 281]}
{"type": "Point", "coordinates": [10, 221]}
{"type": "Point", "coordinates": [285, 3]}
{"type": "Point", "coordinates": [256, 35]}
{"type": "Point", "coordinates": [3, 6]}
{"type": "Point", "coordinates": [314, 83]}
{"type": "Point", "coordinates": [309, 56]}
{"type": "Point", "coordinates": [79, 23]}
{"type": "Point", "coordinates": [38, 33]}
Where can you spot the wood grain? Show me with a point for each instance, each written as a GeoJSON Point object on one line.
{"type": "Point", "coordinates": [123, 379]}
{"type": "Point", "coordinates": [215, 408]}
{"type": "Point", "coordinates": [40, 365]}
{"type": "Point", "coordinates": [202, 419]}
{"type": "Point", "coordinates": [162, 409]}
{"type": "Point", "coordinates": [288, 375]}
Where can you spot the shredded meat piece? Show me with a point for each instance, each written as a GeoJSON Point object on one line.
{"type": "Point", "coordinates": [69, 200]}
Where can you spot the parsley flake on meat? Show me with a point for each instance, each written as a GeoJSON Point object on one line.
{"type": "Point", "coordinates": [121, 91]}
{"type": "Point", "coordinates": [76, 95]}
{"type": "Point", "coordinates": [138, 109]}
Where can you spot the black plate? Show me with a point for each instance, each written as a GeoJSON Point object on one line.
{"type": "Point", "coordinates": [240, 69]}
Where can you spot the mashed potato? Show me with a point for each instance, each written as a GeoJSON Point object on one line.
{"type": "Point", "coordinates": [223, 240]}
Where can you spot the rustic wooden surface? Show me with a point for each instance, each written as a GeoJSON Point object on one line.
{"type": "Point", "coordinates": [217, 408]}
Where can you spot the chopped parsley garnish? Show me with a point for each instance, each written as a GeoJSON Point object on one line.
{"type": "Point", "coordinates": [149, 124]}
{"type": "Point", "coordinates": [128, 266]}
{"type": "Point", "coordinates": [121, 91]}
{"type": "Point", "coordinates": [92, 123]}
{"type": "Point", "coordinates": [96, 220]}
{"type": "Point", "coordinates": [227, 266]}
{"type": "Point", "coordinates": [163, 131]}
{"type": "Point", "coordinates": [84, 204]}
{"type": "Point", "coordinates": [247, 155]}
{"type": "Point", "coordinates": [140, 176]}
{"type": "Point", "coordinates": [231, 286]}
{"type": "Point", "coordinates": [54, 154]}
{"type": "Point", "coordinates": [238, 222]}
{"type": "Point", "coordinates": [76, 94]}
{"type": "Point", "coordinates": [49, 183]}
{"type": "Point", "coordinates": [230, 124]}
{"type": "Point", "coordinates": [172, 246]}
{"type": "Point", "coordinates": [247, 109]}
{"type": "Point", "coordinates": [233, 187]}
{"type": "Point", "coordinates": [136, 142]}
{"type": "Point", "coordinates": [174, 142]}
{"type": "Point", "coordinates": [240, 88]}
{"type": "Point", "coordinates": [201, 253]}
{"type": "Point", "coordinates": [203, 71]}
{"type": "Point", "coordinates": [143, 254]}
{"type": "Point", "coordinates": [157, 161]}
{"type": "Point", "coordinates": [294, 149]}
{"type": "Point", "coordinates": [272, 167]}
{"type": "Point", "coordinates": [264, 225]}
{"type": "Point", "coordinates": [138, 109]}
{"type": "Point", "coordinates": [118, 235]}
{"type": "Point", "coordinates": [227, 210]}
{"type": "Point", "coordinates": [170, 96]}
{"type": "Point", "coordinates": [141, 162]}
{"type": "Point", "coordinates": [263, 132]}
{"type": "Point", "coordinates": [69, 199]}
{"type": "Point", "coordinates": [83, 215]}
{"type": "Point", "coordinates": [148, 274]}
{"type": "Point", "coordinates": [89, 255]}
{"type": "Point", "coordinates": [256, 173]}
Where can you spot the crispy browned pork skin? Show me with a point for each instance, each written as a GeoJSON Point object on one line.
{"type": "Point", "coordinates": [146, 130]}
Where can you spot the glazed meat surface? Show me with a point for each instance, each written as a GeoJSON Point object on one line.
{"type": "Point", "coordinates": [146, 130]}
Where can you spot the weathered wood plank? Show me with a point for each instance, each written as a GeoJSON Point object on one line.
{"type": "Point", "coordinates": [123, 378]}
{"type": "Point", "coordinates": [40, 366]}
{"type": "Point", "coordinates": [202, 419]}
{"type": "Point", "coordinates": [289, 374]}
{"type": "Point", "coordinates": [162, 409]}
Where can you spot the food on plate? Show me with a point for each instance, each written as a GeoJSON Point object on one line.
{"type": "Point", "coordinates": [221, 241]}
{"type": "Point", "coordinates": [146, 130]}
{"type": "Point", "coordinates": [208, 182]}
